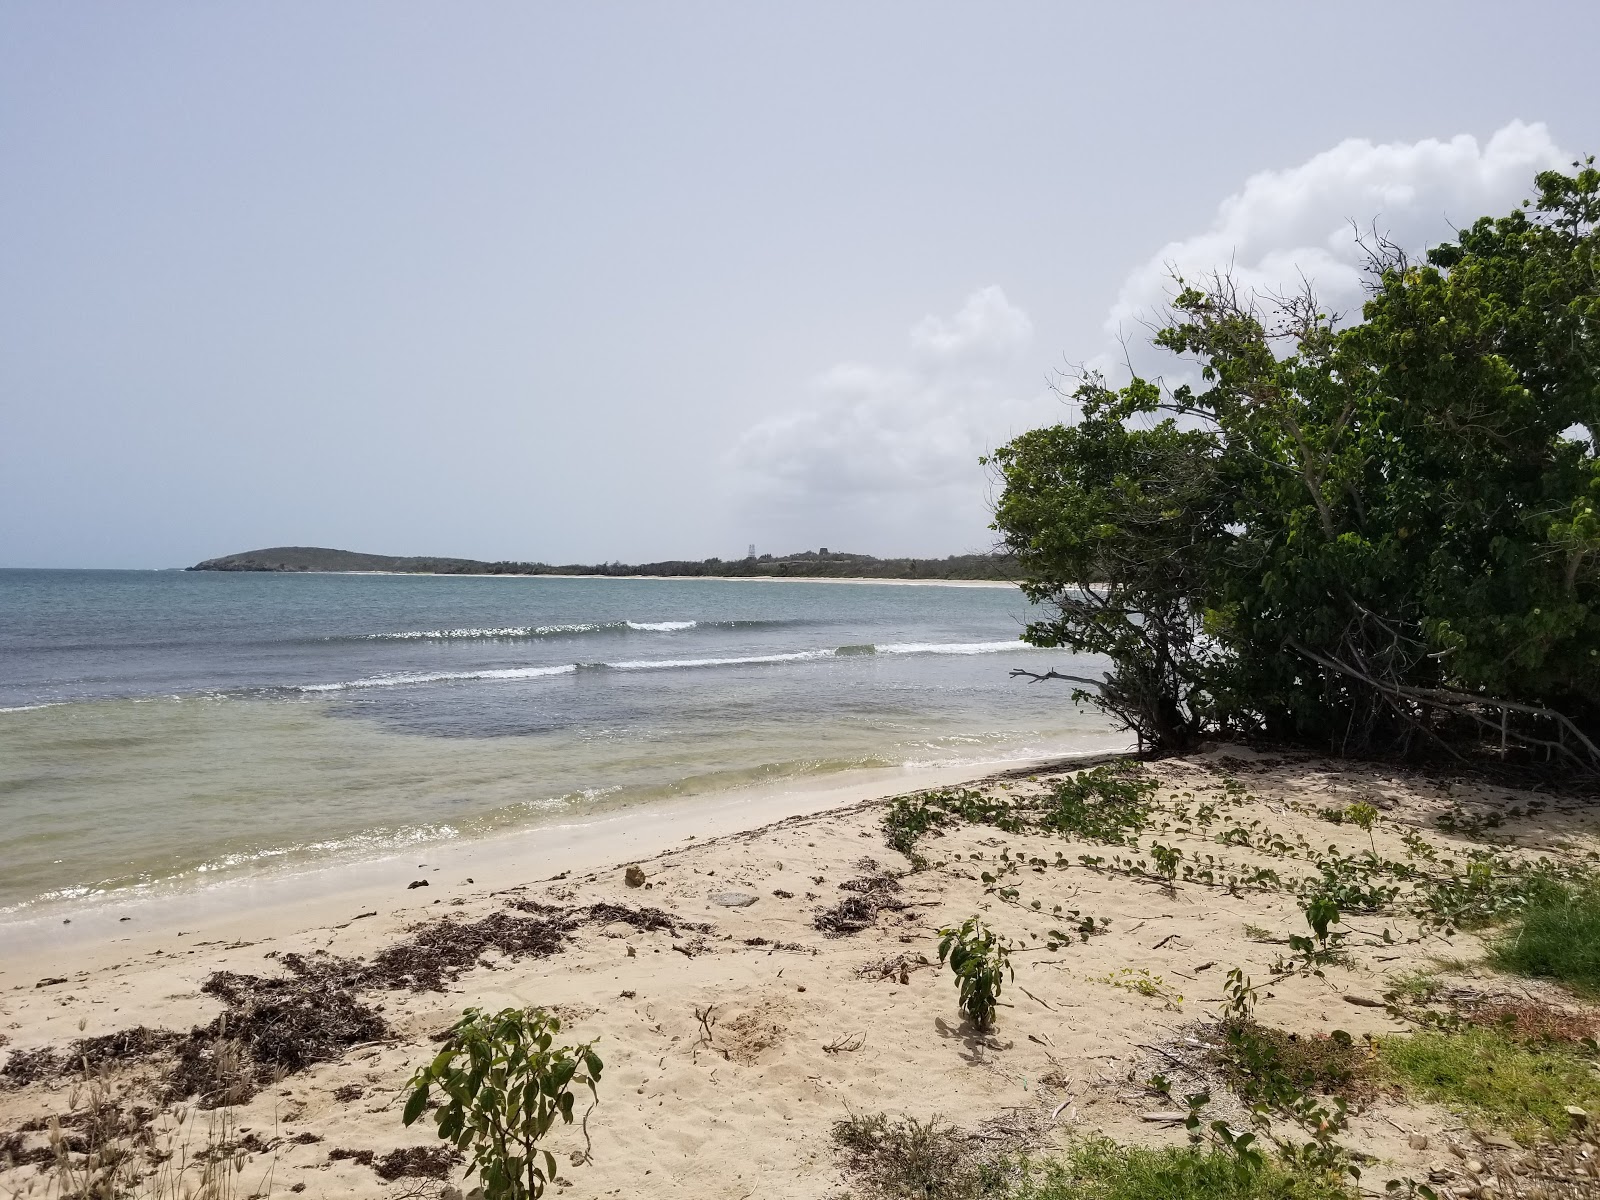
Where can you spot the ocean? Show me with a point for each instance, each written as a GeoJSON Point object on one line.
{"type": "Point", "coordinates": [163, 728]}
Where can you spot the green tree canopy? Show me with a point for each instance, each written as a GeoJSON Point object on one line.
{"type": "Point", "coordinates": [1352, 537]}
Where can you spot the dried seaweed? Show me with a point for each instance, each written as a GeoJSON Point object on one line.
{"type": "Point", "coordinates": [874, 893]}
{"type": "Point", "coordinates": [30, 1066]}
{"type": "Point", "coordinates": [421, 1162]}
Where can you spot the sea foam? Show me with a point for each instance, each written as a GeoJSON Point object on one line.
{"type": "Point", "coordinates": [403, 678]}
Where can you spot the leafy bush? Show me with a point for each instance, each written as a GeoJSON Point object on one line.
{"type": "Point", "coordinates": [1506, 1085]}
{"type": "Point", "coordinates": [1346, 536]}
{"type": "Point", "coordinates": [503, 1095]}
{"type": "Point", "coordinates": [1558, 937]}
{"type": "Point", "coordinates": [980, 961]}
{"type": "Point", "coordinates": [1102, 1170]}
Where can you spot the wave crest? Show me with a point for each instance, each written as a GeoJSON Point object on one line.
{"type": "Point", "coordinates": [400, 679]}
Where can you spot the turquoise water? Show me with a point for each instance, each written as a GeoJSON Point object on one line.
{"type": "Point", "coordinates": [159, 726]}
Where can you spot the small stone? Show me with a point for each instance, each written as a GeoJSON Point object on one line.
{"type": "Point", "coordinates": [1173, 1115]}
{"type": "Point", "coordinates": [734, 899]}
{"type": "Point", "coordinates": [634, 876]}
{"type": "Point", "coordinates": [1579, 1117]}
{"type": "Point", "coordinates": [1419, 1141]}
{"type": "Point", "coordinates": [416, 883]}
{"type": "Point", "coordinates": [1474, 1166]}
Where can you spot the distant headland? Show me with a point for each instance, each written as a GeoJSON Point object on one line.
{"type": "Point", "coordinates": [808, 564]}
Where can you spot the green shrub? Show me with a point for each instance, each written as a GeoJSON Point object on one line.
{"type": "Point", "coordinates": [1102, 1170]}
{"type": "Point", "coordinates": [1483, 1074]}
{"type": "Point", "coordinates": [979, 959]}
{"type": "Point", "coordinates": [1558, 937]}
{"type": "Point", "coordinates": [501, 1101]}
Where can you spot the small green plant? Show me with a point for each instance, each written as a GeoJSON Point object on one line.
{"type": "Point", "coordinates": [1167, 860]}
{"type": "Point", "coordinates": [1141, 982]}
{"type": "Point", "coordinates": [980, 961]}
{"type": "Point", "coordinates": [1365, 816]}
{"type": "Point", "coordinates": [1413, 987]}
{"type": "Point", "coordinates": [504, 1083]}
{"type": "Point", "coordinates": [1323, 946]}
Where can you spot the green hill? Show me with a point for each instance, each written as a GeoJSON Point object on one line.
{"type": "Point", "coordinates": [808, 564]}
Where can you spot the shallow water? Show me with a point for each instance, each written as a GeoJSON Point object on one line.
{"type": "Point", "coordinates": [159, 726]}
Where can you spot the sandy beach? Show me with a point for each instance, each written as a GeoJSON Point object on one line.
{"type": "Point", "coordinates": [806, 1024]}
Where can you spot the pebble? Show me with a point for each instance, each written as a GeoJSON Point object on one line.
{"type": "Point", "coordinates": [734, 899]}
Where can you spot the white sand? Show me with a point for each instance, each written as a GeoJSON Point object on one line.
{"type": "Point", "coordinates": [749, 1115]}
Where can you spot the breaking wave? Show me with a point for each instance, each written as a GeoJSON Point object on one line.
{"type": "Point", "coordinates": [404, 678]}
{"type": "Point", "coordinates": [572, 629]}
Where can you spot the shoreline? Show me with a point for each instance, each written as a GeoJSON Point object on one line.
{"type": "Point", "coordinates": [276, 903]}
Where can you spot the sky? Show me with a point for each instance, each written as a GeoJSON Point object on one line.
{"type": "Point", "coordinates": [639, 281]}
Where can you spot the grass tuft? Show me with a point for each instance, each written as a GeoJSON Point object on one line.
{"type": "Point", "coordinates": [909, 1158]}
{"type": "Point", "coordinates": [1102, 1170]}
{"type": "Point", "coordinates": [1557, 937]}
{"type": "Point", "coordinates": [1521, 1089]}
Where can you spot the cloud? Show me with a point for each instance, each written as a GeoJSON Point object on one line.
{"type": "Point", "coordinates": [1285, 224]}
{"type": "Point", "coordinates": [915, 428]}
{"type": "Point", "coordinates": [987, 326]}
{"type": "Point", "coordinates": [889, 452]}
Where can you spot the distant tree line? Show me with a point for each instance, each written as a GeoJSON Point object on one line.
{"type": "Point", "coordinates": [1370, 538]}
{"type": "Point", "coordinates": [808, 564]}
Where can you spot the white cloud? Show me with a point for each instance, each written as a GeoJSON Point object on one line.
{"type": "Point", "coordinates": [916, 428]}
{"type": "Point", "coordinates": [1296, 222]}
{"type": "Point", "coordinates": [987, 326]}
{"type": "Point", "coordinates": [886, 454]}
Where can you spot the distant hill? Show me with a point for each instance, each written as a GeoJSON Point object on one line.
{"type": "Point", "coordinates": [808, 564]}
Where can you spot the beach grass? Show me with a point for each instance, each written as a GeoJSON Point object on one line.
{"type": "Point", "coordinates": [1100, 1169]}
{"type": "Point", "coordinates": [1494, 1080]}
{"type": "Point", "coordinates": [1557, 937]}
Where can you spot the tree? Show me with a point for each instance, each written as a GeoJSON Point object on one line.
{"type": "Point", "coordinates": [1347, 536]}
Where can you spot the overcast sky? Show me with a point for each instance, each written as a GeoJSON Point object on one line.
{"type": "Point", "coordinates": [603, 281]}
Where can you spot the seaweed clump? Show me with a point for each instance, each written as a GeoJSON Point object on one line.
{"type": "Point", "coordinates": [873, 894]}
